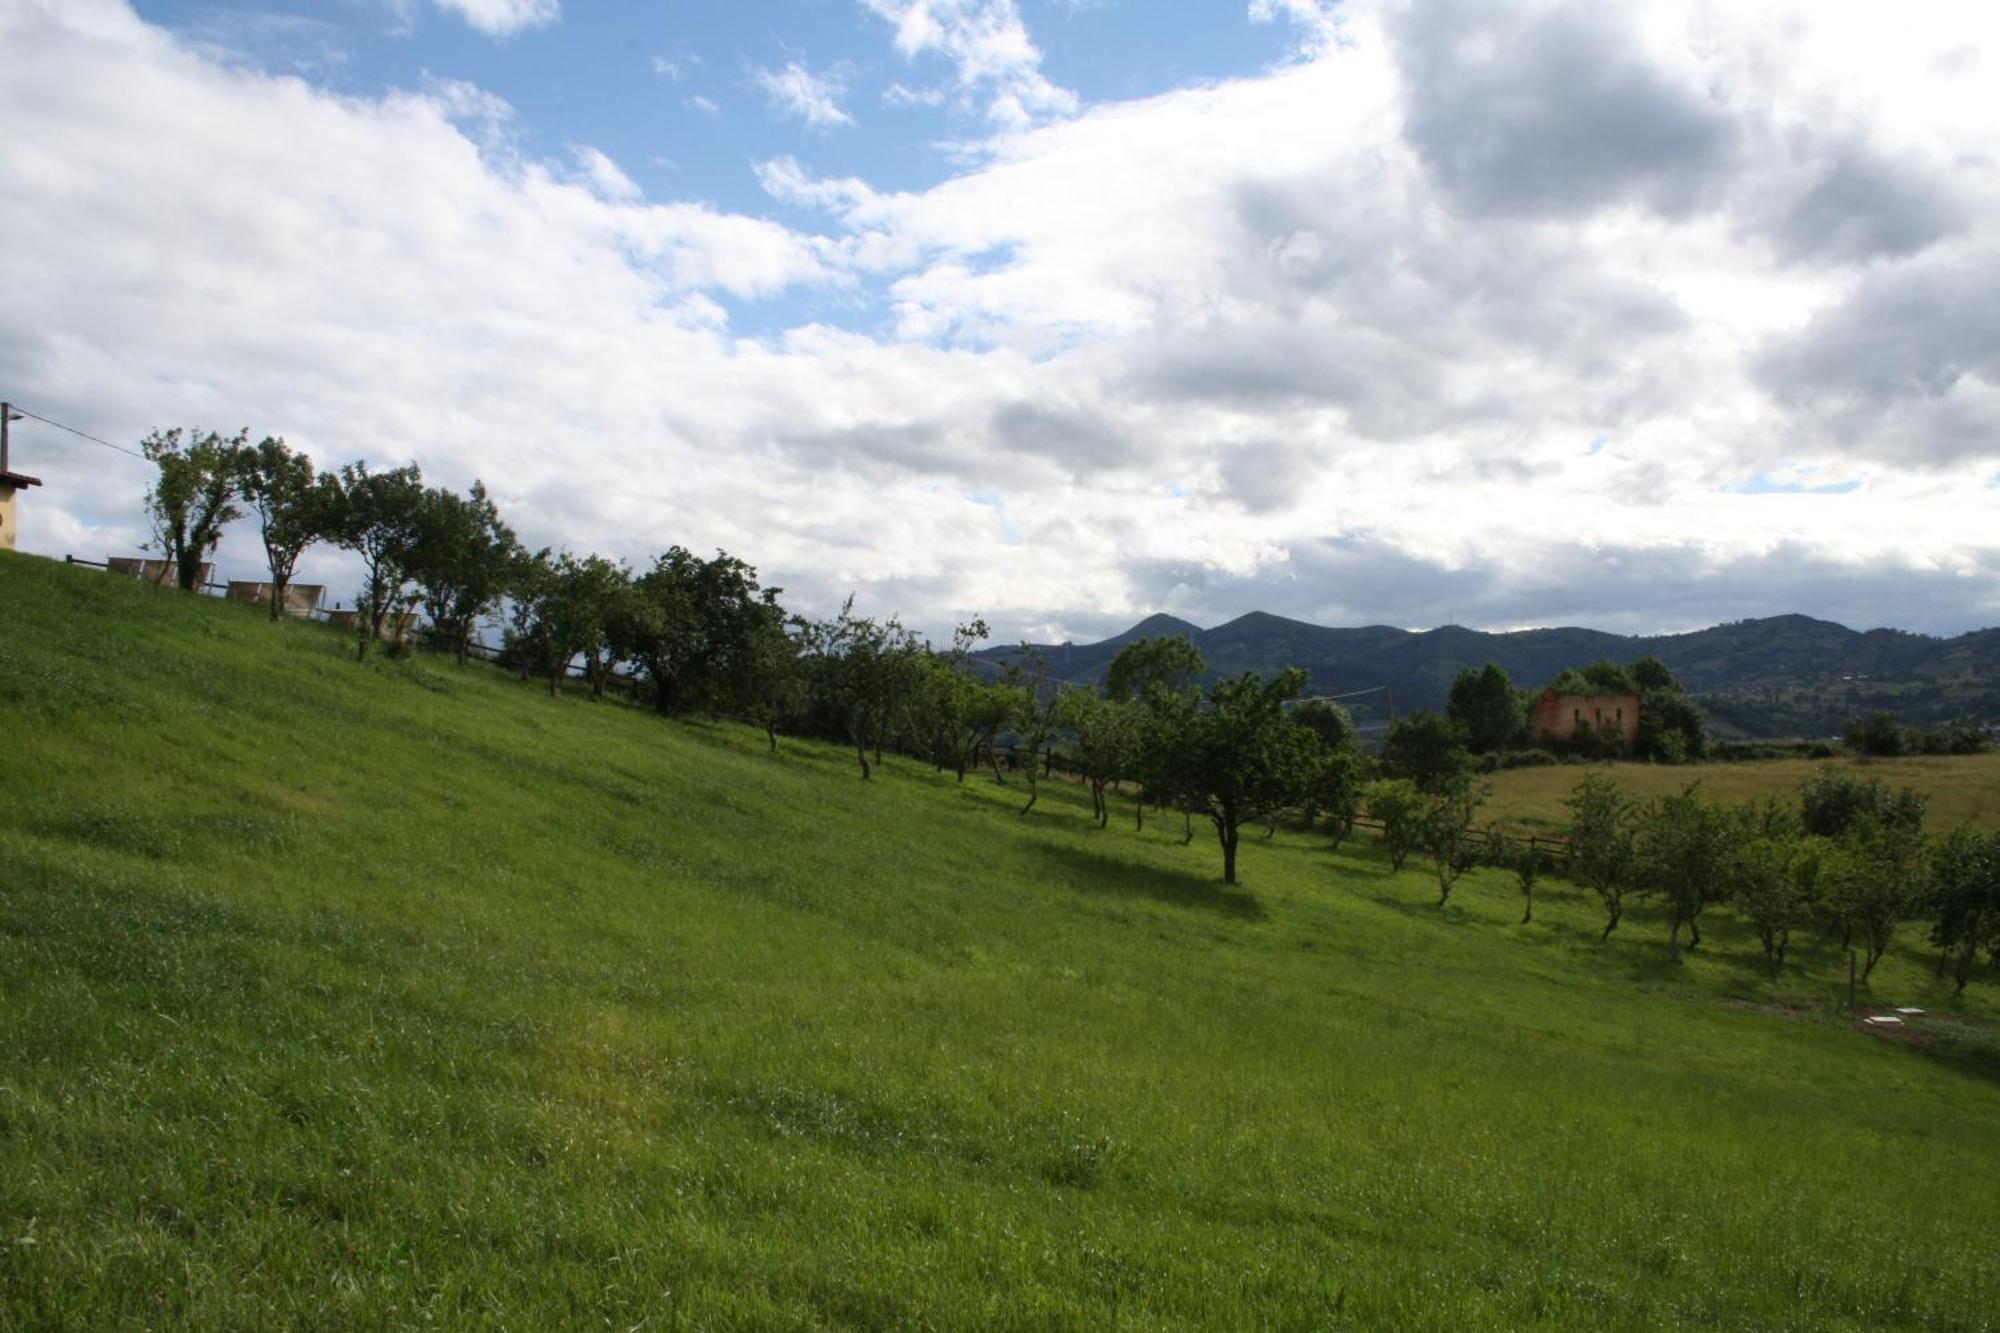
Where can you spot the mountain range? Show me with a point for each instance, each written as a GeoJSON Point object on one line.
{"type": "Point", "coordinates": [1780, 676]}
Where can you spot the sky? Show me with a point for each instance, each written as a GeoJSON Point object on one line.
{"type": "Point", "coordinates": [1499, 313]}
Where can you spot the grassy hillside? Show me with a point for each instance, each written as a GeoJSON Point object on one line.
{"type": "Point", "coordinates": [1964, 789]}
{"type": "Point", "coordinates": [387, 996]}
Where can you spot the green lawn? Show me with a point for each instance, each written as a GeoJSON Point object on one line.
{"type": "Point", "coordinates": [400, 996]}
{"type": "Point", "coordinates": [1964, 789]}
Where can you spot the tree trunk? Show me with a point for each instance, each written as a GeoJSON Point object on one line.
{"type": "Point", "coordinates": [1528, 913]}
{"type": "Point", "coordinates": [861, 753]}
{"type": "Point", "coordinates": [1034, 794]}
{"type": "Point", "coordinates": [1674, 940]}
{"type": "Point", "coordinates": [1187, 826]}
{"type": "Point", "coordinates": [278, 586]}
{"type": "Point", "coordinates": [771, 735]}
{"type": "Point", "coordinates": [1229, 837]}
{"type": "Point", "coordinates": [1615, 912]}
{"type": "Point", "coordinates": [1694, 933]}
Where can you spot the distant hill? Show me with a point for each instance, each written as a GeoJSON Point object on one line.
{"type": "Point", "coordinates": [1779, 676]}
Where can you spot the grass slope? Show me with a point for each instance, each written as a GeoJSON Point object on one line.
{"type": "Point", "coordinates": [1964, 789]}
{"type": "Point", "coordinates": [397, 995]}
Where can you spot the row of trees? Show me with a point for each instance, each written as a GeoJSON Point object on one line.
{"type": "Point", "coordinates": [702, 634]}
{"type": "Point", "coordinates": [1850, 858]}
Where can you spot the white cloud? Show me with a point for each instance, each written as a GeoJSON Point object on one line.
{"type": "Point", "coordinates": [605, 178]}
{"type": "Point", "coordinates": [998, 65]}
{"type": "Point", "coordinates": [1257, 343]}
{"type": "Point", "coordinates": [797, 91]}
{"type": "Point", "coordinates": [505, 18]}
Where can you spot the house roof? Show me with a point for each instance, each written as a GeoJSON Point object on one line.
{"type": "Point", "coordinates": [18, 480]}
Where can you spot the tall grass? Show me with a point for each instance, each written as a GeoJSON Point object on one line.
{"type": "Point", "coordinates": [399, 995]}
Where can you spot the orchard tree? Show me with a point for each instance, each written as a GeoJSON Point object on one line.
{"type": "Point", "coordinates": [1105, 736]}
{"type": "Point", "coordinates": [1773, 882]}
{"type": "Point", "coordinates": [1037, 717]}
{"type": "Point", "coordinates": [1965, 892]}
{"type": "Point", "coordinates": [1447, 834]}
{"type": "Point", "coordinates": [1343, 776]}
{"type": "Point", "coordinates": [1685, 848]}
{"type": "Point", "coordinates": [463, 561]}
{"type": "Point", "coordinates": [380, 520]}
{"type": "Point", "coordinates": [1168, 662]}
{"type": "Point", "coordinates": [1329, 721]}
{"type": "Point", "coordinates": [1244, 756]}
{"type": "Point", "coordinates": [1873, 879]}
{"type": "Point", "coordinates": [585, 598]}
{"type": "Point", "coordinates": [772, 679]}
{"type": "Point", "coordinates": [1399, 807]}
{"type": "Point", "coordinates": [1158, 675]}
{"type": "Point", "coordinates": [1832, 803]}
{"type": "Point", "coordinates": [1524, 857]}
{"type": "Point", "coordinates": [690, 623]}
{"type": "Point", "coordinates": [1602, 838]}
{"type": "Point", "coordinates": [198, 479]}
{"type": "Point", "coordinates": [296, 505]}
{"type": "Point", "coordinates": [857, 668]}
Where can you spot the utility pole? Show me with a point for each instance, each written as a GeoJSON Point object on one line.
{"type": "Point", "coordinates": [7, 417]}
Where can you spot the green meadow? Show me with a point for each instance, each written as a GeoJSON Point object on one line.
{"type": "Point", "coordinates": [402, 996]}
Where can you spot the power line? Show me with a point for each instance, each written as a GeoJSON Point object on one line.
{"type": "Point", "coordinates": [86, 435]}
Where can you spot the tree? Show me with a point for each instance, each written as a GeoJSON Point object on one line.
{"type": "Point", "coordinates": [1773, 878]}
{"type": "Point", "coordinates": [379, 518]}
{"type": "Point", "coordinates": [1486, 708]}
{"type": "Point", "coordinates": [949, 708]}
{"type": "Point", "coordinates": [1602, 843]}
{"type": "Point", "coordinates": [1343, 774]}
{"type": "Point", "coordinates": [193, 495]}
{"type": "Point", "coordinates": [462, 562]}
{"type": "Point", "coordinates": [1832, 802]}
{"type": "Point", "coordinates": [577, 615]}
{"type": "Point", "coordinates": [1685, 847]}
{"type": "Point", "coordinates": [1448, 837]}
{"type": "Point", "coordinates": [1872, 877]}
{"type": "Point", "coordinates": [296, 505]}
{"type": "Point", "coordinates": [1242, 756]}
{"type": "Point", "coordinates": [1159, 675]}
{"type": "Point", "coordinates": [773, 678]}
{"type": "Point", "coordinates": [857, 666]}
{"type": "Point", "coordinates": [1524, 857]}
{"type": "Point", "coordinates": [1877, 734]}
{"type": "Point", "coordinates": [1168, 662]}
{"type": "Point", "coordinates": [1399, 807]}
{"type": "Point", "coordinates": [1428, 749]}
{"type": "Point", "coordinates": [531, 586]}
{"type": "Point", "coordinates": [1330, 722]}
{"type": "Point", "coordinates": [1965, 893]}
{"type": "Point", "coordinates": [691, 623]}
{"type": "Point", "coordinates": [1106, 735]}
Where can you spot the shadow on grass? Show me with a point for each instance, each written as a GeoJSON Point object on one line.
{"type": "Point", "coordinates": [1093, 872]}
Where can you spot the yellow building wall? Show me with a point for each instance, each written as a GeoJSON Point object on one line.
{"type": "Point", "coordinates": [6, 518]}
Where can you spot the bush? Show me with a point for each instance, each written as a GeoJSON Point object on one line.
{"type": "Point", "coordinates": [1877, 733]}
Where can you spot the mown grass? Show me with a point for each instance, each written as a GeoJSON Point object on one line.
{"type": "Point", "coordinates": [394, 996]}
{"type": "Point", "coordinates": [1964, 789]}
